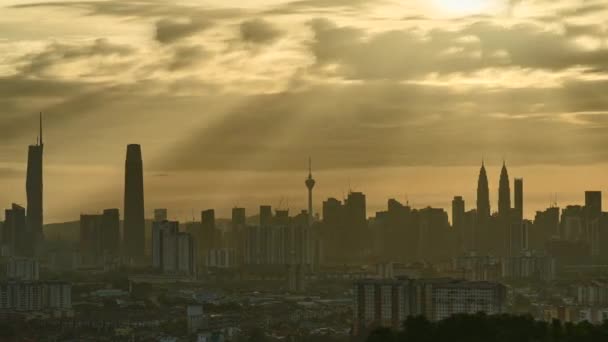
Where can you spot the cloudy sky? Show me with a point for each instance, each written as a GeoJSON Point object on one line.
{"type": "Point", "coordinates": [396, 98]}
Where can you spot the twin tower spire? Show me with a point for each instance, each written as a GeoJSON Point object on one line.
{"type": "Point", "coordinates": [483, 193]}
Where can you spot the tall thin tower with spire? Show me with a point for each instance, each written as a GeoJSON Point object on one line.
{"type": "Point", "coordinates": [483, 196]}
{"type": "Point", "coordinates": [310, 184]}
{"type": "Point", "coordinates": [33, 189]}
{"type": "Point", "coordinates": [504, 193]}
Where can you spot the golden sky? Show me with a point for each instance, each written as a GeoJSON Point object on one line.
{"type": "Point", "coordinates": [396, 98]}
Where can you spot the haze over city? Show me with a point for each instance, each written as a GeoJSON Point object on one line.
{"type": "Point", "coordinates": [303, 171]}
{"type": "Point", "coordinates": [395, 98]}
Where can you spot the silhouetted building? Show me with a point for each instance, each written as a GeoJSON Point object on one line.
{"type": "Point", "coordinates": [209, 237]}
{"type": "Point", "coordinates": [529, 266]}
{"type": "Point", "coordinates": [435, 238]}
{"type": "Point", "coordinates": [471, 235]}
{"type": "Point", "coordinates": [160, 215]}
{"type": "Point", "coordinates": [483, 197]}
{"type": "Point", "coordinates": [310, 184]}
{"type": "Point", "coordinates": [239, 218]}
{"type": "Point", "coordinates": [506, 218]}
{"type": "Point", "coordinates": [34, 190]}
{"type": "Point", "coordinates": [355, 236]}
{"type": "Point", "coordinates": [134, 221]}
{"type": "Point", "coordinates": [519, 197]}
{"type": "Point", "coordinates": [164, 253]}
{"type": "Point", "coordinates": [91, 248]}
{"type": "Point", "coordinates": [172, 252]}
{"type": "Point", "coordinates": [504, 193]}
{"type": "Point", "coordinates": [265, 215]}
{"type": "Point", "coordinates": [458, 222]}
{"type": "Point", "coordinates": [14, 231]}
{"type": "Point", "coordinates": [592, 221]}
{"type": "Point", "coordinates": [99, 237]}
{"type": "Point", "coordinates": [281, 218]}
{"type": "Point", "coordinates": [28, 296]}
{"type": "Point", "coordinates": [24, 269]}
{"type": "Point", "coordinates": [593, 204]}
{"type": "Point", "coordinates": [546, 226]}
{"type": "Point", "coordinates": [111, 232]}
{"type": "Point", "coordinates": [572, 223]}
{"type": "Point", "coordinates": [186, 254]}
{"type": "Point", "coordinates": [387, 303]}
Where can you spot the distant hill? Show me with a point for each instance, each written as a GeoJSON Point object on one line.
{"type": "Point", "coordinates": [67, 231]}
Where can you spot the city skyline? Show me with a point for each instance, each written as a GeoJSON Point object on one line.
{"type": "Point", "coordinates": [134, 189]}
{"type": "Point", "coordinates": [231, 91]}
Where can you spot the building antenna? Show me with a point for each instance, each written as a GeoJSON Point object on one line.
{"type": "Point", "coordinates": [41, 143]}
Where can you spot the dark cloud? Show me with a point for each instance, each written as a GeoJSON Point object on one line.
{"type": "Point", "coordinates": [171, 30]}
{"type": "Point", "coordinates": [321, 6]}
{"type": "Point", "coordinates": [404, 54]}
{"type": "Point", "coordinates": [259, 31]}
{"type": "Point", "coordinates": [56, 53]}
{"type": "Point", "coordinates": [187, 56]}
{"type": "Point", "coordinates": [140, 9]}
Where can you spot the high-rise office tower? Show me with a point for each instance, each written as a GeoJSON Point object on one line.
{"type": "Point", "coordinates": [458, 212]}
{"type": "Point", "coordinates": [209, 238]}
{"type": "Point", "coordinates": [519, 197]}
{"type": "Point", "coordinates": [593, 204]}
{"type": "Point", "coordinates": [265, 215]}
{"type": "Point", "coordinates": [592, 221]}
{"type": "Point", "coordinates": [356, 207]}
{"type": "Point", "coordinates": [91, 248]}
{"type": "Point", "coordinates": [164, 248]}
{"type": "Point", "coordinates": [504, 193]}
{"type": "Point", "coordinates": [458, 221]}
{"type": "Point", "coordinates": [483, 196]}
{"type": "Point", "coordinates": [33, 186]}
{"type": "Point", "coordinates": [310, 184]}
{"type": "Point", "coordinates": [134, 222]}
{"type": "Point", "coordinates": [111, 232]}
{"type": "Point", "coordinates": [355, 238]}
{"type": "Point", "coordinates": [238, 218]}
{"type": "Point", "coordinates": [14, 230]}
{"type": "Point", "coordinates": [506, 216]}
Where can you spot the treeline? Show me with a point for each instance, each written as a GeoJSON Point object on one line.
{"type": "Point", "coordinates": [484, 328]}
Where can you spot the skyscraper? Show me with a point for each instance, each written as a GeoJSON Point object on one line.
{"type": "Point", "coordinates": [458, 212]}
{"type": "Point", "coordinates": [458, 221]}
{"type": "Point", "coordinates": [519, 197]}
{"type": "Point", "coordinates": [111, 232]}
{"type": "Point", "coordinates": [209, 237]}
{"type": "Point", "coordinates": [483, 196]}
{"type": "Point", "coordinates": [134, 223]}
{"type": "Point", "coordinates": [593, 204]}
{"type": "Point", "coordinates": [504, 193]}
{"type": "Point", "coordinates": [33, 187]}
{"type": "Point", "coordinates": [14, 230]}
{"type": "Point", "coordinates": [310, 184]}
{"type": "Point", "coordinates": [91, 249]}
{"type": "Point", "coordinates": [239, 218]}
{"type": "Point", "coordinates": [265, 215]}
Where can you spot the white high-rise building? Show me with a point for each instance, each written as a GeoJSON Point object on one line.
{"type": "Point", "coordinates": [172, 252]}
{"type": "Point", "coordinates": [23, 269]}
{"type": "Point", "coordinates": [35, 295]}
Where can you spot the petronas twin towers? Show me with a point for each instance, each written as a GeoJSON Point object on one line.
{"type": "Point", "coordinates": [483, 194]}
{"type": "Point", "coordinates": [499, 233]}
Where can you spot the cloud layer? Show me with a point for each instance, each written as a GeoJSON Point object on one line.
{"type": "Point", "coordinates": [356, 84]}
